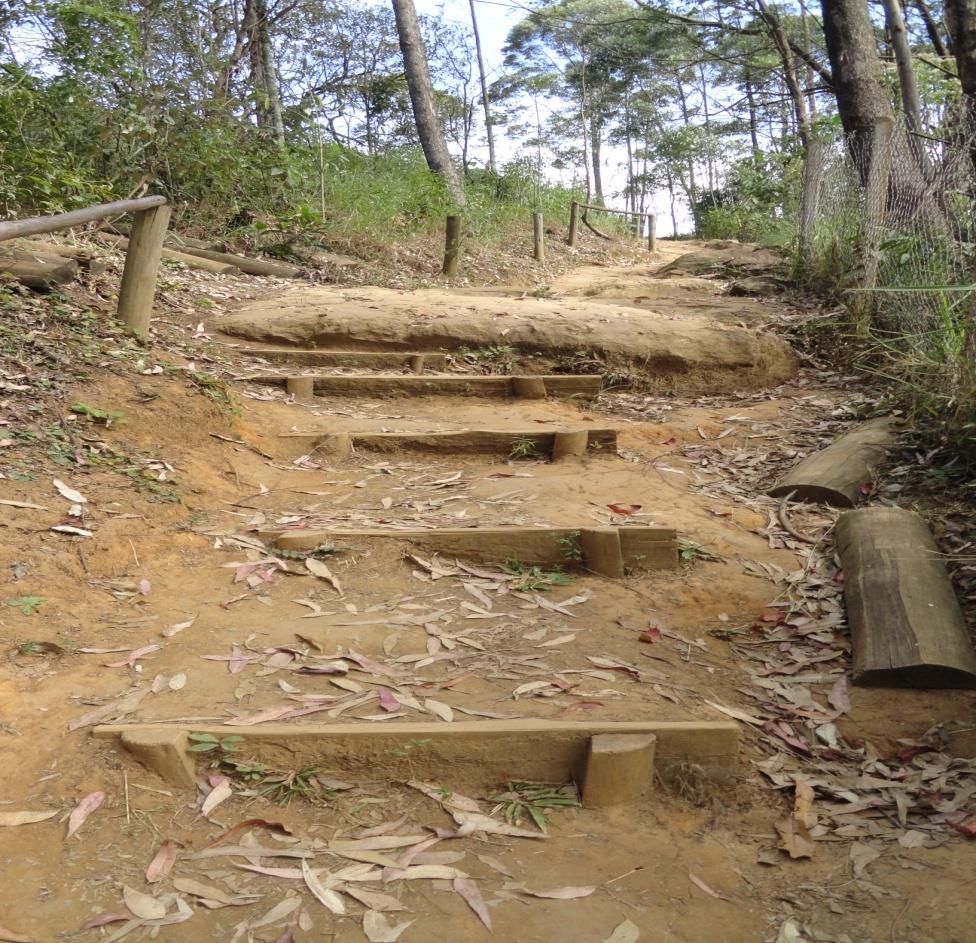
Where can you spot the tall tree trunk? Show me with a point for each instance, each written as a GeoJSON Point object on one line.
{"type": "Point", "coordinates": [272, 90]}
{"type": "Point", "coordinates": [789, 71]}
{"type": "Point", "coordinates": [961, 21]}
{"type": "Point", "coordinates": [709, 163]}
{"type": "Point", "coordinates": [596, 147]}
{"type": "Point", "coordinates": [429, 128]}
{"type": "Point", "coordinates": [489, 130]}
{"type": "Point", "coordinates": [753, 125]}
{"type": "Point", "coordinates": [932, 28]}
{"type": "Point", "coordinates": [911, 101]}
{"type": "Point", "coordinates": [856, 69]}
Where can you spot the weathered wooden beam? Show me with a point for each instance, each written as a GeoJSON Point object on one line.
{"type": "Point", "coordinates": [41, 274]}
{"type": "Point", "coordinates": [247, 264]}
{"type": "Point", "coordinates": [138, 289]}
{"type": "Point", "coordinates": [37, 225]}
{"type": "Point", "coordinates": [562, 385]}
{"type": "Point", "coordinates": [463, 442]}
{"type": "Point", "coordinates": [190, 261]}
{"type": "Point", "coordinates": [374, 359]}
{"type": "Point", "coordinates": [906, 624]}
{"type": "Point", "coordinates": [837, 474]}
{"type": "Point", "coordinates": [471, 754]}
{"type": "Point", "coordinates": [648, 548]}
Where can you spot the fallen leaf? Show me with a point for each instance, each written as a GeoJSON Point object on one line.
{"type": "Point", "coordinates": [68, 493]}
{"type": "Point", "coordinates": [472, 897]}
{"type": "Point", "coordinates": [327, 897]}
{"type": "Point", "coordinates": [561, 893]}
{"type": "Point", "coordinates": [374, 900]}
{"type": "Point", "coordinates": [210, 895]}
{"type": "Point", "coordinates": [863, 855]}
{"type": "Point", "coordinates": [276, 913]}
{"type": "Point", "coordinates": [221, 791]}
{"type": "Point", "coordinates": [102, 920]}
{"type": "Point", "coordinates": [625, 509]}
{"type": "Point", "coordinates": [701, 885]}
{"type": "Point", "coordinates": [25, 818]}
{"type": "Point", "coordinates": [177, 682]}
{"type": "Point", "coordinates": [795, 831]}
{"type": "Point", "coordinates": [142, 905]}
{"type": "Point", "coordinates": [245, 826]}
{"type": "Point", "coordinates": [319, 569]}
{"type": "Point", "coordinates": [735, 713]}
{"type": "Point", "coordinates": [625, 932]}
{"type": "Point", "coordinates": [81, 811]}
{"type": "Point", "coordinates": [650, 635]}
{"type": "Point", "coordinates": [379, 930]}
{"type": "Point", "coordinates": [163, 861]}
{"type": "Point", "coordinates": [439, 709]}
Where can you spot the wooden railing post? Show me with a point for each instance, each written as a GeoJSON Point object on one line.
{"type": "Point", "coordinates": [138, 287]}
{"type": "Point", "coordinates": [538, 238]}
{"type": "Point", "coordinates": [452, 246]}
{"type": "Point", "coordinates": [573, 224]}
{"type": "Point", "coordinates": [652, 232]}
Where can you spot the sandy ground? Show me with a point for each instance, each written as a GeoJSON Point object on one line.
{"type": "Point", "coordinates": [688, 865]}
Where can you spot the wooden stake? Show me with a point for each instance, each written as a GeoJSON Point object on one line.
{"type": "Point", "coordinates": [652, 233]}
{"type": "Point", "coordinates": [452, 246]}
{"type": "Point", "coordinates": [529, 387]}
{"type": "Point", "coordinates": [138, 288]}
{"type": "Point", "coordinates": [569, 444]}
{"type": "Point", "coordinates": [302, 388]}
{"type": "Point", "coordinates": [602, 553]}
{"type": "Point", "coordinates": [417, 363]}
{"type": "Point", "coordinates": [538, 238]}
{"type": "Point", "coordinates": [573, 224]}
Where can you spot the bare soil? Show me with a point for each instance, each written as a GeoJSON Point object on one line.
{"type": "Point", "coordinates": [750, 626]}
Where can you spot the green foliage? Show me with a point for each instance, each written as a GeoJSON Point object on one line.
{"type": "Point", "coordinates": [534, 578]}
{"type": "Point", "coordinates": [521, 801]}
{"type": "Point", "coordinates": [27, 604]}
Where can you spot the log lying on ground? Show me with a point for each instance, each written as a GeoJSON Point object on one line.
{"type": "Point", "coordinates": [190, 261]}
{"type": "Point", "coordinates": [33, 272]}
{"type": "Point", "coordinates": [251, 266]}
{"type": "Point", "coordinates": [907, 628]}
{"type": "Point", "coordinates": [836, 475]}
{"type": "Point", "coordinates": [86, 258]}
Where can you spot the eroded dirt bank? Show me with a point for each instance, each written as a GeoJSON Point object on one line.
{"type": "Point", "coordinates": [170, 609]}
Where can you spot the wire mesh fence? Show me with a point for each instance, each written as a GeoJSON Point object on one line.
{"type": "Point", "coordinates": [888, 221]}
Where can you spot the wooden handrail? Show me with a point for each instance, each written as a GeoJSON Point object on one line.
{"type": "Point", "coordinates": [607, 209]}
{"type": "Point", "coordinates": [37, 225]}
{"type": "Point", "coordinates": [138, 288]}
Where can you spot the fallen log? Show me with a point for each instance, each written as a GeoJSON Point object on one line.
{"type": "Point", "coordinates": [55, 252]}
{"type": "Point", "coordinates": [906, 624]}
{"type": "Point", "coordinates": [837, 474]}
{"type": "Point", "coordinates": [245, 264]}
{"type": "Point", "coordinates": [190, 261]}
{"type": "Point", "coordinates": [37, 273]}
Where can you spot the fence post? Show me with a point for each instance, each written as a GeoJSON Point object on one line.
{"type": "Point", "coordinates": [138, 287]}
{"type": "Point", "coordinates": [652, 232]}
{"type": "Point", "coordinates": [573, 224]}
{"type": "Point", "coordinates": [538, 238]}
{"type": "Point", "coordinates": [810, 196]}
{"type": "Point", "coordinates": [875, 205]}
{"type": "Point", "coordinates": [452, 246]}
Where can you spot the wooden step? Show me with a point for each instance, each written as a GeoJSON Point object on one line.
{"type": "Point", "coordinates": [464, 755]}
{"type": "Point", "coordinates": [371, 359]}
{"type": "Point", "coordinates": [527, 443]}
{"type": "Point", "coordinates": [651, 548]}
{"type": "Point", "coordinates": [385, 384]}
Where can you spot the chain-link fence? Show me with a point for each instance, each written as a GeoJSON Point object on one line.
{"type": "Point", "coordinates": [888, 222]}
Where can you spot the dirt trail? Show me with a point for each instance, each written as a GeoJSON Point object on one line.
{"type": "Point", "coordinates": [750, 621]}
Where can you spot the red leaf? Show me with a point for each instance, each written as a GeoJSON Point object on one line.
{"type": "Point", "coordinates": [650, 635]}
{"type": "Point", "coordinates": [625, 509]}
